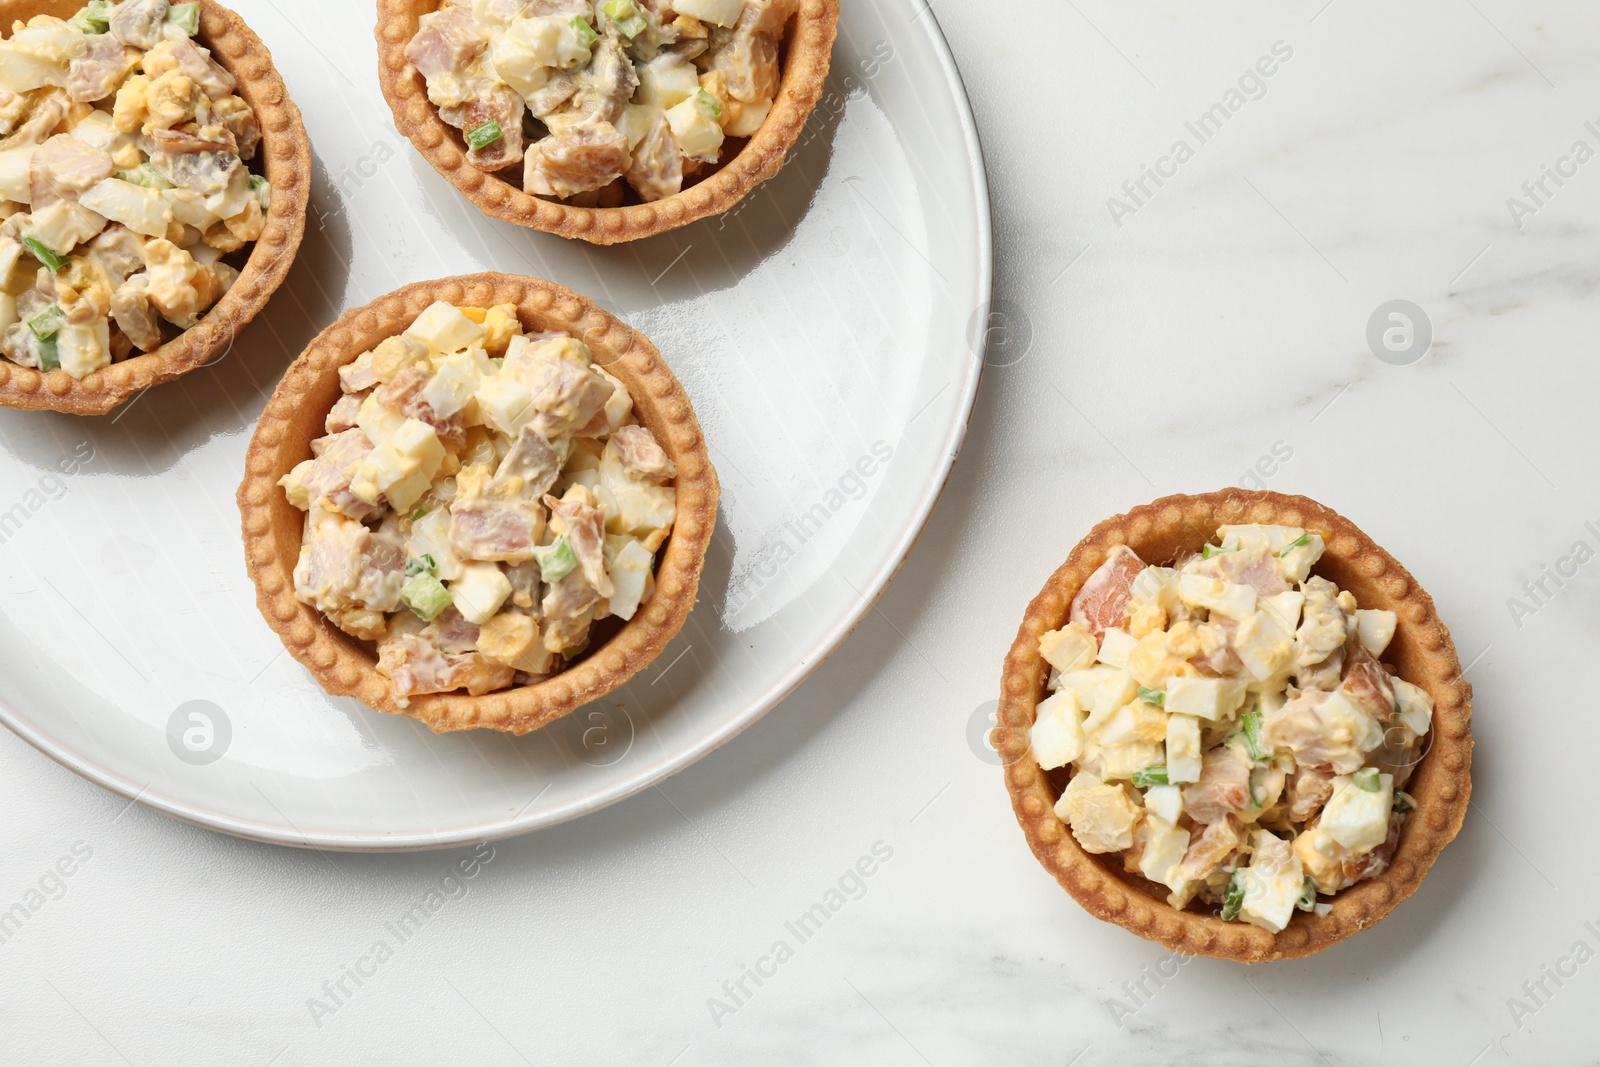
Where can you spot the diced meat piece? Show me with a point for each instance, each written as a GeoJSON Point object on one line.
{"type": "Point", "coordinates": [196, 62]}
{"type": "Point", "coordinates": [447, 43]}
{"type": "Point", "coordinates": [575, 160]}
{"type": "Point", "coordinates": [1309, 789]}
{"type": "Point", "coordinates": [358, 376]}
{"type": "Point", "coordinates": [49, 108]}
{"type": "Point", "coordinates": [1216, 656]}
{"type": "Point", "coordinates": [344, 413]}
{"type": "Point", "coordinates": [1320, 729]}
{"type": "Point", "coordinates": [346, 570]}
{"type": "Point", "coordinates": [1102, 603]}
{"type": "Point", "coordinates": [1223, 788]}
{"type": "Point", "coordinates": [569, 598]}
{"type": "Point", "coordinates": [495, 529]}
{"type": "Point", "coordinates": [657, 168]}
{"type": "Point", "coordinates": [1322, 633]}
{"type": "Point", "coordinates": [500, 105]}
{"type": "Point", "coordinates": [641, 456]}
{"type": "Point", "coordinates": [130, 307]}
{"type": "Point", "coordinates": [530, 468]}
{"type": "Point", "coordinates": [584, 526]}
{"type": "Point", "coordinates": [1208, 849]}
{"type": "Point", "coordinates": [567, 392]}
{"type": "Point", "coordinates": [604, 86]}
{"type": "Point", "coordinates": [139, 22]}
{"type": "Point", "coordinates": [746, 56]}
{"type": "Point", "coordinates": [117, 251]}
{"type": "Point", "coordinates": [206, 172]}
{"type": "Point", "coordinates": [545, 101]}
{"type": "Point", "coordinates": [524, 579]}
{"type": "Point", "coordinates": [95, 74]}
{"type": "Point", "coordinates": [239, 119]}
{"type": "Point", "coordinates": [63, 167]}
{"type": "Point", "coordinates": [569, 609]}
{"type": "Point", "coordinates": [336, 459]}
{"type": "Point", "coordinates": [13, 109]}
{"type": "Point", "coordinates": [1366, 682]}
{"type": "Point", "coordinates": [189, 138]}
{"type": "Point", "coordinates": [1254, 566]}
{"type": "Point", "coordinates": [452, 632]}
{"type": "Point", "coordinates": [415, 666]}
{"type": "Point", "coordinates": [403, 393]}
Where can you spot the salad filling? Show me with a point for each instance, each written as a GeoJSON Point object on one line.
{"type": "Point", "coordinates": [123, 183]}
{"type": "Point", "coordinates": [483, 497]}
{"type": "Point", "coordinates": [1229, 726]}
{"type": "Point", "coordinates": [597, 98]}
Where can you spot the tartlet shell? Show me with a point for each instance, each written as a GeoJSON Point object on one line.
{"type": "Point", "coordinates": [807, 51]}
{"type": "Point", "coordinates": [294, 417]}
{"type": "Point", "coordinates": [1422, 652]}
{"type": "Point", "coordinates": [287, 161]}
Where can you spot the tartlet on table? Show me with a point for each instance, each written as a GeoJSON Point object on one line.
{"type": "Point", "coordinates": [481, 502]}
{"type": "Point", "coordinates": [606, 120]}
{"type": "Point", "coordinates": [1235, 725]}
{"type": "Point", "coordinates": [153, 184]}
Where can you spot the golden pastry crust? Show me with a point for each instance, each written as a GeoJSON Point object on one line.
{"type": "Point", "coordinates": [807, 51]}
{"type": "Point", "coordinates": [294, 418]}
{"type": "Point", "coordinates": [285, 156]}
{"type": "Point", "coordinates": [1421, 651]}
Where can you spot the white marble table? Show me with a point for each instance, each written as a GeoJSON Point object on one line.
{"type": "Point", "coordinates": [1206, 330]}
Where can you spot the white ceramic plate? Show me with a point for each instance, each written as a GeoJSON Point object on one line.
{"type": "Point", "coordinates": [825, 330]}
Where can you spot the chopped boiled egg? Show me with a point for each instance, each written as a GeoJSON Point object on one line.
{"type": "Point", "coordinates": [1357, 817]}
{"type": "Point", "coordinates": [1375, 629]}
{"type": "Point", "coordinates": [1057, 731]}
{"type": "Point", "coordinates": [1071, 648]}
{"type": "Point", "coordinates": [1183, 749]}
{"type": "Point", "coordinates": [1205, 698]}
{"type": "Point", "coordinates": [1115, 646]}
{"type": "Point", "coordinates": [1213, 594]}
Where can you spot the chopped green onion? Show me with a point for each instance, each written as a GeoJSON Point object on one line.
{"type": "Point", "coordinates": [555, 561]}
{"type": "Point", "coordinates": [144, 175]}
{"type": "Point", "coordinates": [1403, 803]}
{"type": "Point", "coordinates": [625, 17]}
{"type": "Point", "coordinates": [1233, 899]}
{"type": "Point", "coordinates": [420, 512]}
{"type": "Point", "coordinates": [48, 322]}
{"type": "Point", "coordinates": [499, 362]}
{"type": "Point", "coordinates": [1156, 775]}
{"type": "Point", "coordinates": [708, 103]}
{"type": "Point", "coordinates": [585, 32]}
{"type": "Point", "coordinates": [425, 565]}
{"type": "Point", "coordinates": [1366, 779]}
{"type": "Point", "coordinates": [49, 353]}
{"type": "Point", "coordinates": [1251, 728]}
{"type": "Point", "coordinates": [426, 596]}
{"type": "Point", "coordinates": [1303, 539]}
{"type": "Point", "coordinates": [263, 190]}
{"type": "Point", "coordinates": [93, 19]}
{"type": "Point", "coordinates": [1153, 696]}
{"type": "Point", "coordinates": [43, 254]}
{"type": "Point", "coordinates": [186, 17]}
{"type": "Point", "coordinates": [1212, 550]}
{"type": "Point", "coordinates": [484, 135]}
{"type": "Point", "coordinates": [1308, 896]}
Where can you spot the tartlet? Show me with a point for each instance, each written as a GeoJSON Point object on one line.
{"type": "Point", "coordinates": [1421, 652]}
{"type": "Point", "coordinates": [298, 413]}
{"type": "Point", "coordinates": [283, 158]}
{"type": "Point", "coordinates": [806, 51]}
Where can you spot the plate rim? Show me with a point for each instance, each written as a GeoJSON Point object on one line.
{"type": "Point", "coordinates": [780, 690]}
